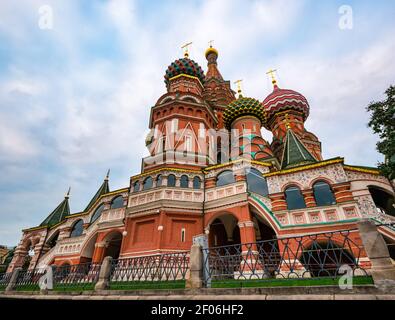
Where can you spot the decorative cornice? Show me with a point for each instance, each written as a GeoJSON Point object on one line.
{"type": "Point", "coordinates": [187, 76]}
{"type": "Point", "coordinates": [306, 167]}
{"type": "Point", "coordinates": [361, 169]}
{"type": "Point", "coordinates": [78, 214]}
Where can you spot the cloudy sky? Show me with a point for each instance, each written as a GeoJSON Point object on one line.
{"type": "Point", "coordinates": [75, 98]}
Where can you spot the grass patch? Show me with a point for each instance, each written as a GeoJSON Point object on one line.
{"type": "Point", "coordinates": [28, 287]}
{"type": "Point", "coordinates": [141, 285]}
{"type": "Point", "coordinates": [74, 287]}
{"type": "Point", "coordinates": [233, 283]}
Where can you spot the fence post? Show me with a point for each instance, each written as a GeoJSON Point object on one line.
{"type": "Point", "coordinates": [382, 268]}
{"type": "Point", "coordinates": [195, 279]}
{"type": "Point", "coordinates": [104, 275]}
{"type": "Point", "coordinates": [14, 277]}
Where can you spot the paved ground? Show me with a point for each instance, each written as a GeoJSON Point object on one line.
{"type": "Point", "coordinates": [386, 291]}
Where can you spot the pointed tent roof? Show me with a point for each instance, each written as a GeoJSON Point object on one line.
{"type": "Point", "coordinates": [58, 215]}
{"type": "Point", "coordinates": [104, 188]}
{"type": "Point", "coordinates": [295, 152]}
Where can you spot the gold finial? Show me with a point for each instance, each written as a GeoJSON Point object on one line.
{"type": "Point", "coordinates": [210, 43]}
{"type": "Point", "coordinates": [271, 72]}
{"type": "Point", "coordinates": [286, 120]}
{"type": "Point", "coordinates": [185, 47]}
{"type": "Point", "coordinates": [107, 175]}
{"type": "Point", "coordinates": [68, 193]}
{"type": "Point", "coordinates": [238, 83]}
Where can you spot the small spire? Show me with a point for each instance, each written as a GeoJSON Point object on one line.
{"type": "Point", "coordinates": [68, 193]}
{"type": "Point", "coordinates": [271, 72]}
{"type": "Point", "coordinates": [107, 175]}
{"type": "Point", "coordinates": [210, 43]}
{"type": "Point", "coordinates": [238, 83]}
{"type": "Point", "coordinates": [185, 47]}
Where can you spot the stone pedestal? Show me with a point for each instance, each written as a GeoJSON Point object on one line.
{"type": "Point", "coordinates": [377, 251]}
{"type": "Point", "coordinates": [103, 282]}
{"type": "Point", "coordinates": [195, 279]}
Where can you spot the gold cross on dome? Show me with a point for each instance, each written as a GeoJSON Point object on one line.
{"type": "Point", "coordinates": [271, 72]}
{"type": "Point", "coordinates": [238, 83]}
{"type": "Point", "coordinates": [210, 43]}
{"type": "Point", "coordinates": [185, 47]}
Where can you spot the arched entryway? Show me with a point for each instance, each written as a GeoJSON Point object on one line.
{"type": "Point", "coordinates": [383, 200]}
{"type": "Point", "coordinates": [113, 243]}
{"type": "Point", "coordinates": [224, 231]}
{"type": "Point", "coordinates": [88, 250]}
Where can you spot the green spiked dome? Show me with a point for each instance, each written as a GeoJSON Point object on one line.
{"type": "Point", "coordinates": [184, 66]}
{"type": "Point", "coordinates": [243, 107]}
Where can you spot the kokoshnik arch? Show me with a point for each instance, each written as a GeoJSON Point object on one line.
{"type": "Point", "coordinates": [211, 172]}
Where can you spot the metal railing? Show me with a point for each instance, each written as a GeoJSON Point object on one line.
{"type": "Point", "coordinates": [310, 256]}
{"type": "Point", "coordinates": [155, 271]}
{"type": "Point", "coordinates": [4, 280]}
{"type": "Point", "coordinates": [28, 280]}
{"type": "Point", "coordinates": [76, 277]}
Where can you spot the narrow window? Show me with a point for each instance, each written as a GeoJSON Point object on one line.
{"type": "Point", "coordinates": [171, 180]}
{"type": "Point", "coordinates": [184, 181]}
{"type": "Point", "coordinates": [188, 144]}
{"type": "Point", "coordinates": [197, 183]}
{"type": "Point", "coordinates": [183, 235]}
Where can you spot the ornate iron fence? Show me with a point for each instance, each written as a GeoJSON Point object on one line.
{"type": "Point", "coordinates": [28, 280]}
{"type": "Point", "coordinates": [156, 271]}
{"type": "Point", "coordinates": [311, 256]}
{"type": "Point", "coordinates": [76, 277]}
{"type": "Point", "coordinates": [4, 280]}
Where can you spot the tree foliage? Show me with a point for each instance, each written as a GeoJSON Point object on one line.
{"type": "Point", "coordinates": [382, 122]}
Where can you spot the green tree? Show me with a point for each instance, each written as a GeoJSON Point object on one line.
{"type": "Point", "coordinates": [382, 122]}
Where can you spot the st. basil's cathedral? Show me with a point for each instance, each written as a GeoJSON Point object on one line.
{"type": "Point", "coordinates": [210, 172]}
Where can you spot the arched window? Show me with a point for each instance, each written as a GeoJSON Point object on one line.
{"type": "Point", "coordinates": [225, 177]}
{"type": "Point", "coordinates": [294, 198]}
{"type": "Point", "coordinates": [197, 183]}
{"type": "Point", "coordinates": [147, 184]}
{"type": "Point", "coordinates": [384, 201]}
{"type": "Point", "coordinates": [256, 182]}
{"type": "Point", "coordinates": [136, 186]}
{"type": "Point", "coordinates": [323, 194]}
{"type": "Point", "coordinates": [171, 180]}
{"type": "Point", "coordinates": [54, 238]}
{"type": "Point", "coordinates": [97, 213]}
{"type": "Point", "coordinates": [117, 202]}
{"type": "Point", "coordinates": [159, 180]}
{"type": "Point", "coordinates": [77, 229]}
{"type": "Point", "coordinates": [184, 181]}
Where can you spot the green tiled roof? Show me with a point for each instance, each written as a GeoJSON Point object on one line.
{"type": "Point", "coordinates": [295, 151]}
{"type": "Point", "coordinates": [104, 188]}
{"type": "Point", "coordinates": [58, 215]}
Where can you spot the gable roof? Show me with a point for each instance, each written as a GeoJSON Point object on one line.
{"type": "Point", "coordinates": [104, 188]}
{"type": "Point", "coordinates": [295, 152]}
{"type": "Point", "coordinates": [59, 214]}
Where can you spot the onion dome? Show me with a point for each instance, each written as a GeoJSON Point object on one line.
{"type": "Point", "coordinates": [242, 107]}
{"type": "Point", "coordinates": [283, 100]}
{"type": "Point", "coordinates": [211, 50]}
{"type": "Point", "coordinates": [184, 66]}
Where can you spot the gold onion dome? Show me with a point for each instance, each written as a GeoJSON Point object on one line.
{"type": "Point", "coordinates": [211, 50]}
{"type": "Point", "coordinates": [243, 106]}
